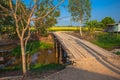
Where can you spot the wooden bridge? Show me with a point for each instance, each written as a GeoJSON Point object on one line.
{"type": "Point", "coordinates": [83, 53]}
{"type": "Point", "coordinates": [77, 49]}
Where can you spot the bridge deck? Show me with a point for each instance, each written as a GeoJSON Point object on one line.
{"type": "Point", "coordinates": [88, 56]}
{"type": "Point", "coordinates": [77, 49]}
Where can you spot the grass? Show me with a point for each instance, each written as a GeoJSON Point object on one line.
{"type": "Point", "coordinates": [118, 53]}
{"type": "Point", "coordinates": [107, 41]}
{"type": "Point", "coordinates": [36, 68]}
{"type": "Point", "coordinates": [11, 68]}
{"type": "Point", "coordinates": [46, 67]}
{"type": "Point", "coordinates": [32, 47]}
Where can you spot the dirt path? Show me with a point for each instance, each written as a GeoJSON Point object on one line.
{"type": "Point", "coordinates": [91, 62]}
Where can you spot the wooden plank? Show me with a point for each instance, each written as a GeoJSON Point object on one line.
{"type": "Point", "coordinates": [72, 46]}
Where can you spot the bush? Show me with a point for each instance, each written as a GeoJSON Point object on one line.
{"type": "Point", "coordinates": [32, 47]}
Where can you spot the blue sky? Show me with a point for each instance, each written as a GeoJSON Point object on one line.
{"type": "Point", "coordinates": [100, 9]}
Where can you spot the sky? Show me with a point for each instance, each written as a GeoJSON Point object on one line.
{"type": "Point", "coordinates": [100, 10]}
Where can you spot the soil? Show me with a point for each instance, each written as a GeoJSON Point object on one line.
{"type": "Point", "coordinates": [13, 75]}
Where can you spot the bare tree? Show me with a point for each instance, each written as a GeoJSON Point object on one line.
{"type": "Point", "coordinates": [23, 16]}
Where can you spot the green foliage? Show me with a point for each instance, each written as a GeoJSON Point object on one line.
{"type": "Point", "coordinates": [32, 47]}
{"type": "Point", "coordinates": [50, 20]}
{"type": "Point", "coordinates": [107, 41]}
{"type": "Point", "coordinates": [118, 53]}
{"type": "Point", "coordinates": [80, 9]}
{"type": "Point", "coordinates": [36, 68]}
{"type": "Point", "coordinates": [46, 67]}
{"type": "Point", "coordinates": [92, 24]}
{"type": "Point", "coordinates": [107, 20]}
{"type": "Point", "coordinates": [5, 19]}
{"type": "Point", "coordinates": [11, 68]}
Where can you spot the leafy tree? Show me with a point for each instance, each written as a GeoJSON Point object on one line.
{"type": "Point", "coordinates": [23, 16]}
{"type": "Point", "coordinates": [80, 10]}
{"type": "Point", "coordinates": [92, 24]}
{"type": "Point", "coordinates": [48, 21]}
{"type": "Point", "coordinates": [6, 21]}
{"type": "Point", "coordinates": [107, 20]}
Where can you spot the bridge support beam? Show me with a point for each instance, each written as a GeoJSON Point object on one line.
{"type": "Point", "coordinates": [56, 49]}
{"type": "Point", "coordinates": [61, 55]}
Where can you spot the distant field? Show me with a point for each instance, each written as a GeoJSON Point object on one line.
{"type": "Point", "coordinates": [70, 29]}
{"type": "Point", "coordinates": [63, 28]}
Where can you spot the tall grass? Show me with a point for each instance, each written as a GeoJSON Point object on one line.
{"type": "Point", "coordinates": [107, 41]}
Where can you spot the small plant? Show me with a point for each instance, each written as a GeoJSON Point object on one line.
{"type": "Point", "coordinates": [118, 53]}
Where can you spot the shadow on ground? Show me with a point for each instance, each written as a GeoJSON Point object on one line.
{"type": "Point", "coordinates": [71, 73]}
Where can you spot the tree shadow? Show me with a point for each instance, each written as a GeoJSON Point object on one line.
{"type": "Point", "coordinates": [71, 73]}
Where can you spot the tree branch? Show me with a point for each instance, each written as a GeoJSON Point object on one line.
{"type": "Point", "coordinates": [34, 19]}
{"type": "Point", "coordinates": [27, 38]}
{"type": "Point", "coordinates": [29, 18]}
{"type": "Point", "coordinates": [5, 9]}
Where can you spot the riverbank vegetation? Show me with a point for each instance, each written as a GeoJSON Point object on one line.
{"type": "Point", "coordinates": [32, 47]}
{"type": "Point", "coordinates": [107, 40]}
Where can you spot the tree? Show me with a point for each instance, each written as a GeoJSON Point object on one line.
{"type": "Point", "coordinates": [5, 19]}
{"type": "Point", "coordinates": [92, 24]}
{"type": "Point", "coordinates": [80, 10]}
{"type": "Point", "coordinates": [107, 20]}
{"type": "Point", "coordinates": [50, 20]}
{"type": "Point", "coordinates": [23, 15]}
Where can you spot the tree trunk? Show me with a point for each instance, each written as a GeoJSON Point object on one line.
{"type": "Point", "coordinates": [23, 56]}
{"type": "Point", "coordinates": [80, 29]}
{"type": "Point", "coordinates": [28, 61]}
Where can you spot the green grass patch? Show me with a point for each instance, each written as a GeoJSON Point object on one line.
{"type": "Point", "coordinates": [118, 53]}
{"type": "Point", "coordinates": [32, 47]}
{"type": "Point", "coordinates": [46, 67]}
{"type": "Point", "coordinates": [11, 68]}
{"type": "Point", "coordinates": [36, 68]}
{"type": "Point", "coordinates": [107, 41]}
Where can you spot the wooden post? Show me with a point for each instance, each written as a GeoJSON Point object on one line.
{"type": "Point", "coordinates": [60, 54]}
{"type": "Point", "coordinates": [56, 51]}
